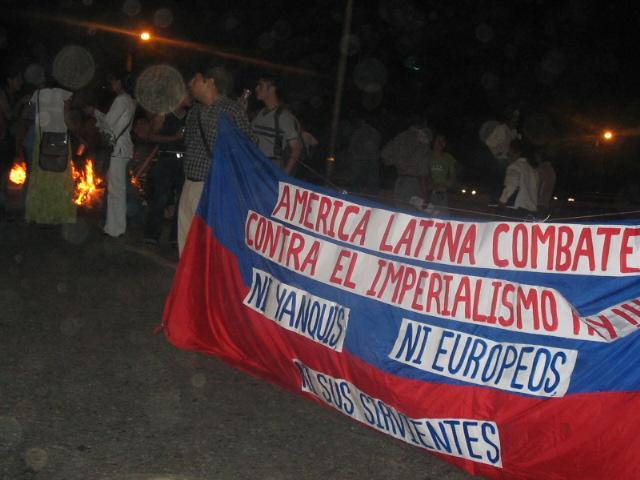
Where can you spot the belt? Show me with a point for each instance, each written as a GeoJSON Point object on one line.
{"type": "Point", "coordinates": [171, 153]}
{"type": "Point", "coordinates": [193, 179]}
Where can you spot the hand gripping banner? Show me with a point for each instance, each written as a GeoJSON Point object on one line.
{"type": "Point", "coordinates": [509, 349]}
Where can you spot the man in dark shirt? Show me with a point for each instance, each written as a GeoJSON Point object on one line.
{"type": "Point", "coordinates": [167, 131]}
{"type": "Point", "coordinates": [210, 89]}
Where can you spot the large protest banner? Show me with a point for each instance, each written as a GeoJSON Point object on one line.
{"type": "Point", "coordinates": [509, 349]}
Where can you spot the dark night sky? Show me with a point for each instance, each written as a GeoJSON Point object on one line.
{"type": "Point", "coordinates": [571, 66]}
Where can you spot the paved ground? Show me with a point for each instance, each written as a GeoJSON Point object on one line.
{"type": "Point", "coordinates": [88, 392]}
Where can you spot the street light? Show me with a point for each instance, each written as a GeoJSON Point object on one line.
{"type": "Point", "coordinates": [144, 36]}
{"type": "Point", "coordinates": [607, 136]}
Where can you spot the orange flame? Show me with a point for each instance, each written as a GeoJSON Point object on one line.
{"type": "Point", "coordinates": [18, 173]}
{"type": "Point", "coordinates": [135, 181]}
{"type": "Point", "coordinates": [89, 186]}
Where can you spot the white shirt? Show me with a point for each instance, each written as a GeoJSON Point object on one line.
{"type": "Point", "coordinates": [49, 108]}
{"type": "Point", "coordinates": [264, 126]}
{"type": "Point", "coordinates": [522, 177]}
{"type": "Point", "coordinates": [500, 139]}
{"type": "Point", "coordinates": [118, 121]}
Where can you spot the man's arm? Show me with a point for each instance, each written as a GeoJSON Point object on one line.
{"type": "Point", "coordinates": [295, 149]}
{"type": "Point", "coordinates": [108, 121]}
{"type": "Point", "coordinates": [290, 128]}
{"type": "Point", "coordinates": [144, 166]}
{"type": "Point", "coordinates": [242, 121]}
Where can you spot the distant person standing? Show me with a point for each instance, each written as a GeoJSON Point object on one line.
{"type": "Point", "coordinates": [49, 199]}
{"type": "Point", "coordinates": [520, 180]}
{"type": "Point", "coordinates": [364, 155]}
{"type": "Point", "coordinates": [12, 103]}
{"type": "Point", "coordinates": [277, 129]}
{"type": "Point", "coordinates": [117, 123]}
{"type": "Point", "coordinates": [410, 153]}
{"type": "Point", "coordinates": [547, 182]}
{"type": "Point", "coordinates": [442, 174]}
{"type": "Point", "coordinates": [500, 138]}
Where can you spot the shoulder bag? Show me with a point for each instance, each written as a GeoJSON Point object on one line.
{"type": "Point", "coordinates": [54, 147]}
{"type": "Point", "coordinates": [202, 135]}
{"type": "Point", "coordinates": [107, 141]}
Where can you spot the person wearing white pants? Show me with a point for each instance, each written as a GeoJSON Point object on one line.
{"type": "Point", "coordinates": [116, 222]}
{"type": "Point", "coordinates": [189, 199]}
{"type": "Point", "coordinates": [117, 123]}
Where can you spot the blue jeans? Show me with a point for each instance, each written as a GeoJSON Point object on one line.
{"type": "Point", "coordinates": [167, 178]}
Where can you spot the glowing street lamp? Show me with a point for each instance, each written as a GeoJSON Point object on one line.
{"type": "Point", "coordinates": [607, 136]}
{"type": "Point", "coordinates": [144, 36]}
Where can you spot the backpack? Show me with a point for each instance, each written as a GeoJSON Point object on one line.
{"type": "Point", "coordinates": [283, 153]}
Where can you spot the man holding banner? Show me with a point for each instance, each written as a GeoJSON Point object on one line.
{"type": "Point", "coordinates": [211, 89]}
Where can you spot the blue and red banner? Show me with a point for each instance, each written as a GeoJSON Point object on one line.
{"type": "Point", "coordinates": [509, 349]}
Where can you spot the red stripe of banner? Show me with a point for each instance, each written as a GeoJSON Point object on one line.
{"type": "Point", "coordinates": [585, 436]}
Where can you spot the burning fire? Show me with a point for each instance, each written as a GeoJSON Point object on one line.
{"type": "Point", "coordinates": [136, 182]}
{"type": "Point", "coordinates": [18, 173]}
{"type": "Point", "coordinates": [89, 186]}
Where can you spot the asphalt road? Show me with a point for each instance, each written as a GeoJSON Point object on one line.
{"type": "Point", "coordinates": [87, 391]}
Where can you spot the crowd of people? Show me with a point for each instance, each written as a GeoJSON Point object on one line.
{"type": "Point", "coordinates": [426, 173]}
{"type": "Point", "coordinates": [182, 139]}
{"type": "Point", "coordinates": [176, 149]}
